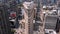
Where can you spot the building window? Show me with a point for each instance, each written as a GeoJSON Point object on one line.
{"type": "Point", "coordinates": [23, 25]}
{"type": "Point", "coordinates": [59, 5]}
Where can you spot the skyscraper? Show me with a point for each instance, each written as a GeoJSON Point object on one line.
{"type": "Point", "coordinates": [4, 21]}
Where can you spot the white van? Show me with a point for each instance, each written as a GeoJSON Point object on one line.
{"type": "Point", "coordinates": [50, 31]}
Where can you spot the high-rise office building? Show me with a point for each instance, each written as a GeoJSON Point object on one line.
{"type": "Point", "coordinates": [4, 21]}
